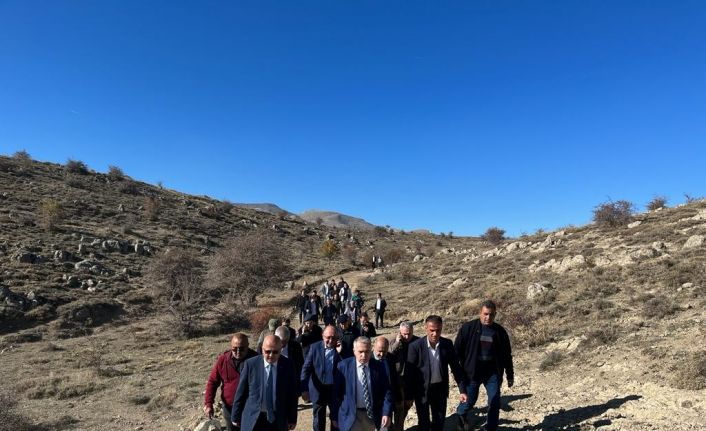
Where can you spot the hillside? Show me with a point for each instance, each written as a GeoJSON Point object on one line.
{"type": "Point", "coordinates": [334, 219]}
{"type": "Point", "coordinates": [607, 323]}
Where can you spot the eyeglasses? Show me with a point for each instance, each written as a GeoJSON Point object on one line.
{"type": "Point", "coordinates": [271, 352]}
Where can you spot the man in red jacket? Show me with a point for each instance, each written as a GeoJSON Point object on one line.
{"type": "Point", "coordinates": [226, 375]}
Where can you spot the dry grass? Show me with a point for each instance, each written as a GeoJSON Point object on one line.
{"type": "Point", "coordinates": [691, 373]}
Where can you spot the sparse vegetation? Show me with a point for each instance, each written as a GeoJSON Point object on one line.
{"type": "Point", "coordinates": [613, 214]}
{"type": "Point", "coordinates": [392, 255]}
{"type": "Point", "coordinates": [76, 167]}
{"type": "Point", "coordinates": [22, 156]}
{"type": "Point", "coordinates": [177, 277]}
{"type": "Point", "coordinates": [350, 252]}
{"type": "Point", "coordinates": [152, 206]}
{"type": "Point", "coordinates": [115, 173]}
{"type": "Point", "coordinates": [656, 203]}
{"type": "Point", "coordinates": [129, 188]}
{"type": "Point", "coordinates": [691, 373]}
{"type": "Point", "coordinates": [551, 360]}
{"type": "Point", "coordinates": [51, 214]}
{"type": "Point", "coordinates": [329, 249]}
{"type": "Point", "coordinates": [248, 265]}
{"type": "Point", "coordinates": [494, 235]}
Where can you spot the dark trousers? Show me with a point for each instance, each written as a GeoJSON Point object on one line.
{"type": "Point", "coordinates": [301, 317]}
{"type": "Point", "coordinates": [319, 408]}
{"type": "Point", "coordinates": [226, 415]}
{"type": "Point", "coordinates": [379, 317]}
{"type": "Point", "coordinates": [492, 381]}
{"type": "Point", "coordinates": [436, 403]}
{"type": "Point", "coordinates": [263, 424]}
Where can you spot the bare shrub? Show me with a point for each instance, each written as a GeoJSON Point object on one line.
{"type": "Point", "coordinates": [115, 173]}
{"type": "Point", "coordinates": [51, 213]}
{"type": "Point", "coordinates": [392, 255]}
{"type": "Point", "coordinates": [656, 203]}
{"type": "Point", "coordinates": [350, 252]}
{"type": "Point", "coordinates": [129, 188]}
{"type": "Point", "coordinates": [494, 235]}
{"type": "Point", "coordinates": [380, 231]}
{"type": "Point", "coordinates": [329, 249]}
{"type": "Point", "coordinates": [225, 206]}
{"type": "Point", "coordinates": [248, 265]}
{"type": "Point", "coordinates": [658, 306]}
{"type": "Point", "coordinates": [76, 167]}
{"type": "Point", "coordinates": [691, 373]}
{"type": "Point", "coordinates": [22, 156]}
{"type": "Point", "coordinates": [613, 214]}
{"type": "Point", "coordinates": [163, 400]}
{"type": "Point", "coordinates": [152, 207]}
{"type": "Point", "coordinates": [261, 316]}
{"type": "Point", "coordinates": [177, 278]}
{"type": "Point", "coordinates": [603, 335]}
{"type": "Point", "coordinates": [10, 419]}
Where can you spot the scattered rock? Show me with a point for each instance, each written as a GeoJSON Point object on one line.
{"type": "Point", "coordinates": [536, 290]}
{"type": "Point", "coordinates": [634, 224]}
{"type": "Point", "coordinates": [687, 285]}
{"type": "Point", "coordinates": [418, 258]}
{"type": "Point", "coordinates": [694, 241]}
{"type": "Point", "coordinates": [31, 258]}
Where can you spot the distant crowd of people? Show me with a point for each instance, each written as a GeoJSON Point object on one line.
{"type": "Point", "coordinates": [365, 382]}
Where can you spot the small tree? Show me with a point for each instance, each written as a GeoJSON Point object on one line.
{"type": "Point", "coordinates": [248, 265]}
{"type": "Point", "coordinates": [76, 167]}
{"type": "Point", "coordinates": [329, 249]}
{"type": "Point", "coordinates": [177, 277]}
{"type": "Point", "coordinates": [613, 214]}
{"type": "Point", "coordinates": [494, 235]}
{"type": "Point", "coordinates": [657, 202]}
{"type": "Point", "coordinates": [115, 173]}
{"type": "Point", "coordinates": [350, 252]}
{"type": "Point", "coordinates": [51, 213]}
{"type": "Point", "coordinates": [22, 156]}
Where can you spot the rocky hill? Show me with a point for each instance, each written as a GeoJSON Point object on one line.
{"type": "Point", "coordinates": [607, 323]}
{"type": "Point", "coordinates": [334, 219]}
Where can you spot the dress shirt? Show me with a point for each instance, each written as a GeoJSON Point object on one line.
{"type": "Point", "coordinates": [285, 351]}
{"type": "Point", "coordinates": [378, 304]}
{"type": "Point", "coordinates": [434, 363]}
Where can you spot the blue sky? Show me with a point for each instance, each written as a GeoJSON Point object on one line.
{"type": "Point", "coordinates": [447, 115]}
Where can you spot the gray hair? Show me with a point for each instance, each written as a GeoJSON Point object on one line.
{"type": "Point", "coordinates": [407, 324]}
{"type": "Point", "coordinates": [283, 333]}
{"type": "Point", "coordinates": [362, 340]}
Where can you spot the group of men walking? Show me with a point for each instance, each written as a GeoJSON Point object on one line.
{"type": "Point", "coordinates": [365, 384]}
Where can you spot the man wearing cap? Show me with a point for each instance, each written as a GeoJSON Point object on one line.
{"type": "Point", "coordinates": [309, 333]}
{"type": "Point", "coordinates": [272, 324]}
{"type": "Point", "coordinates": [362, 396]}
{"type": "Point", "coordinates": [347, 333]}
{"type": "Point", "coordinates": [267, 395]}
{"type": "Point", "coordinates": [316, 382]}
{"type": "Point", "coordinates": [225, 375]}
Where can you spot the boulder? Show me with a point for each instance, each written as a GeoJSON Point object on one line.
{"type": "Point", "coordinates": [31, 258]}
{"type": "Point", "coordinates": [209, 425]}
{"type": "Point", "coordinates": [694, 241]}
{"type": "Point", "coordinates": [537, 290]}
{"type": "Point", "coordinates": [62, 256]}
{"type": "Point", "coordinates": [418, 258]}
{"type": "Point", "coordinates": [634, 224]}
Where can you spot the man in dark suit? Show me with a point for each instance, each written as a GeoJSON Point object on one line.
{"type": "Point", "coordinates": [291, 349]}
{"type": "Point", "coordinates": [266, 398]}
{"type": "Point", "coordinates": [381, 353]}
{"type": "Point", "coordinates": [431, 357]}
{"type": "Point", "coordinates": [362, 395]}
{"type": "Point", "coordinates": [380, 307]}
{"type": "Point", "coordinates": [365, 328]}
{"type": "Point", "coordinates": [400, 348]}
{"type": "Point", "coordinates": [317, 377]}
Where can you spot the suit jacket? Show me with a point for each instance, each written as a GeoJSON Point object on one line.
{"type": "Point", "coordinates": [344, 405]}
{"type": "Point", "coordinates": [418, 364]}
{"type": "Point", "coordinates": [296, 355]}
{"type": "Point", "coordinates": [389, 363]}
{"type": "Point", "coordinates": [383, 305]}
{"type": "Point", "coordinates": [248, 398]}
{"type": "Point", "coordinates": [313, 370]}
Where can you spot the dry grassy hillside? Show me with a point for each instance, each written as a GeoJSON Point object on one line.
{"type": "Point", "coordinates": [608, 323]}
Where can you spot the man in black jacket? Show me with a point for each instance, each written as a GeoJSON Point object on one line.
{"type": "Point", "coordinates": [400, 348]}
{"type": "Point", "coordinates": [430, 358]}
{"type": "Point", "coordinates": [483, 347]}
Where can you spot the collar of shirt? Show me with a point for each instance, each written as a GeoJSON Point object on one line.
{"type": "Point", "coordinates": [430, 347]}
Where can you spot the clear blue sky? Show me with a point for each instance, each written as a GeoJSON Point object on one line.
{"type": "Point", "coordinates": [447, 115]}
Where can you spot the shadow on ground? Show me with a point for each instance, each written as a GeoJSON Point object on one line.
{"type": "Point", "coordinates": [568, 420]}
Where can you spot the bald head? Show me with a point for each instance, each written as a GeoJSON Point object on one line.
{"type": "Point", "coordinates": [283, 333]}
{"type": "Point", "coordinates": [330, 336]}
{"type": "Point", "coordinates": [381, 347]}
{"type": "Point", "coordinates": [271, 348]}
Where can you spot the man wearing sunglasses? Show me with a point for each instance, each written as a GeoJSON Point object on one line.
{"type": "Point", "coordinates": [266, 398]}
{"type": "Point", "coordinates": [225, 374]}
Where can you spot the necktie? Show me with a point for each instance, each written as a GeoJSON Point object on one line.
{"type": "Point", "coordinates": [328, 367]}
{"type": "Point", "coordinates": [366, 392]}
{"type": "Point", "coordinates": [269, 397]}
